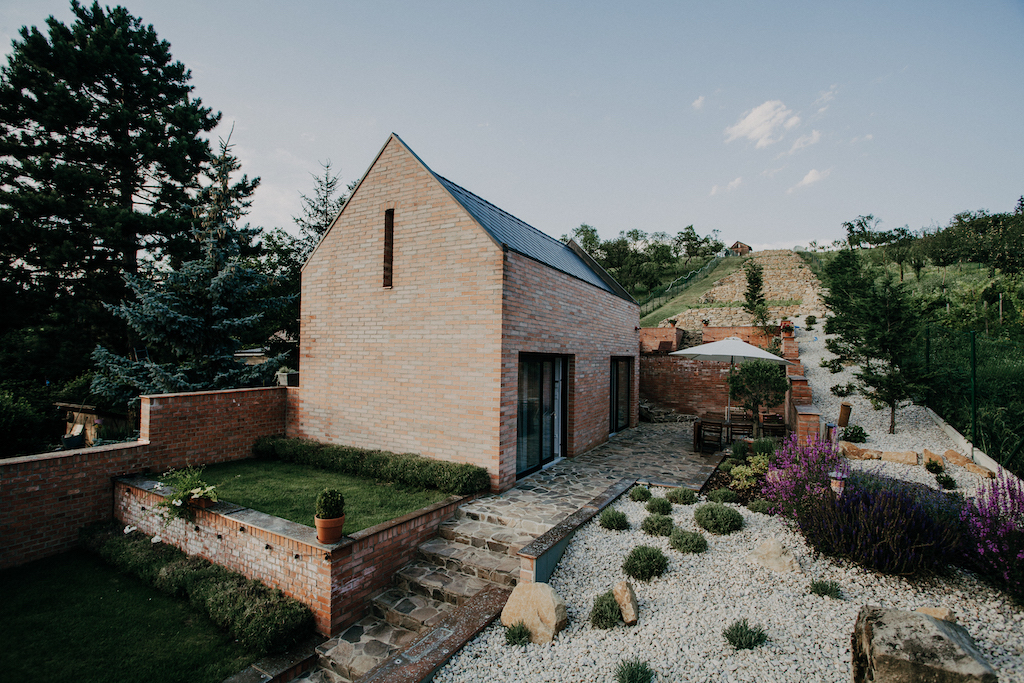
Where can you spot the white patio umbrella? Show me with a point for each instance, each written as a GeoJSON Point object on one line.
{"type": "Point", "coordinates": [729, 349]}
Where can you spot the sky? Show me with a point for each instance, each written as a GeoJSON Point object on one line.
{"type": "Point", "coordinates": [770, 122]}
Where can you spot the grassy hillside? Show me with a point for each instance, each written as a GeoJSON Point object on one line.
{"type": "Point", "coordinates": [688, 297]}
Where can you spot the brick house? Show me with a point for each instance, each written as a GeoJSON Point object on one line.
{"type": "Point", "coordinates": [740, 249]}
{"type": "Point", "coordinates": [433, 322]}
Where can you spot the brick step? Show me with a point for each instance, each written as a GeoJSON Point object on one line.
{"type": "Point", "coordinates": [494, 537]}
{"type": "Point", "coordinates": [409, 610]}
{"type": "Point", "coordinates": [500, 568]}
{"type": "Point", "coordinates": [360, 648]}
{"type": "Point", "coordinates": [444, 585]}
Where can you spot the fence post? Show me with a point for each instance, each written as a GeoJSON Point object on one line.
{"type": "Point", "coordinates": [974, 395]}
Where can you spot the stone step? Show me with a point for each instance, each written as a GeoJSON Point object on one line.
{"type": "Point", "coordinates": [321, 675]}
{"type": "Point", "coordinates": [361, 647]}
{"type": "Point", "coordinates": [495, 537]}
{"type": "Point", "coordinates": [409, 610]}
{"type": "Point", "coordinates": [443, 585]}
{"type": "Point", "coordinates": [513, 517]}
{"type": "Point", "coordinates": [500, 568]}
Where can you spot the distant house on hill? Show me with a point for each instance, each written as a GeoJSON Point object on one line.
{"type": "Point", "coordinates": [740, 249]}
{"type": "Point", "coordinates": [433, 322]}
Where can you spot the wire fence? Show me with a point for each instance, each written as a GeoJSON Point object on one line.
{"type": "Point", "coordinates": [977, 385]}
{"type": "Point", "coordinates": [662, 295]}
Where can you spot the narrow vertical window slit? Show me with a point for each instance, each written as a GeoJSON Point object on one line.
{"type": "Point", "coordinates": [389, 245]}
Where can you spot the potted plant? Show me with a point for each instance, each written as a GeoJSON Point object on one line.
{"type": "Point", "coordinates": [330, 516]}
{"type": "Point", "coordinates": [187, 490]}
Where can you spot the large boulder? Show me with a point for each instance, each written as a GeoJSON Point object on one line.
{"type": "Point", "coordinates": [539, 607]}
{"type": "Point", "coordinates": [902, 457]}
{"type": "Point", "coordinates": [773, 555]}
{"type": "Point", "coordinates": [893, 646]}
{"type": "Point", "coordinates": [624, 595]}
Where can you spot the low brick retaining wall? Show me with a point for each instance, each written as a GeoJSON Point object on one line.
{"type": "Point", "coordinates": [336, 581]}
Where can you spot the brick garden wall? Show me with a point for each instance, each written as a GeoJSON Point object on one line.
{"type": "Point", "coordinates": [45, 499]}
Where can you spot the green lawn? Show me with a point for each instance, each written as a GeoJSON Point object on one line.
{"type": "Point", "coordinates": [73, 618]}
{"type": "Point", "coordinates": [289, 491]}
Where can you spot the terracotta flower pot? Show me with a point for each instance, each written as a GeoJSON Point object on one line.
{"type": "Point", "coordinates": [201, 503]}
{"type": "Point", "coordinates": [329, 531]}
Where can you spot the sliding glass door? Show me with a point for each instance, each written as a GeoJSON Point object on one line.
{"type": "Point", "coordinates": [541, 417]}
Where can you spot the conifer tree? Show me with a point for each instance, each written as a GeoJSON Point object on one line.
{"type": "Point", "coordinates": [320, 210]}
{"type": "Point", "coordinates": [192, 318]}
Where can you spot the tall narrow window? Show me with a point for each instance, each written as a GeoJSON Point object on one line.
{"type": "Point", "coordinates": [389, 245]}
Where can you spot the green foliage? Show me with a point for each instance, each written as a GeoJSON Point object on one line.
{"type": "Point", "coordinates": [614, 519]}
{"type": "Point", "coordinates": [186, 485]}
{"type": "Point", "coordinates": [320, 210]}
{"type": "Point", "coordinates": [659, 506]}
{"type": "Point", "coordinates": [742, 479]}
{"type": "Point", "coordinates": [833, 365]}
{"type": "Point", "coordinates": [810, 322]}
{"type": "Point", "coordinates": [640, 493]}
{"type": "Point", "coordinates": [644, 562]}
{"type": "Point", "coordinates": [758, 383]}
{"type": "Point", "coordinates": [681, 496]}
{"type": "Point", "coordinates": [764, 446]}
{"type": "Point", "coordinates": [759, 464]}
{"type": "Point", "coordinates": [688, 541]}
{"type": "Point", "coordinates": [945, 481]}
{"type": "Point", "coordinates": [657, 525]}
{"type": "Point", "coordinates": [742, 636]}
{"type": "Point", "coordinates": [518, 634]}
{"type": "Point", "coordinates": [193, 318]}
{"type": "Point", "coordinates": [20, 423]}
{"type": "Point", "coordinates": [726, 466]}
{"type": "Point", "coordinates": [718, 519]}
{"type": "Point", "coordinates": [854, 434]}
{"type": "Point", "coordinates": [739, 450]}
{"type": "Point", "coordinates": [843, 390]}
{"type": "Point", "coordinates": [261, 618]}
{"type": "Point", "coordinates": [826, 589]}
{"type": "Point", "coordinates": [408, 469]}
{"type": "Point", "coordinates": [605, 613]}
{"type": "Point", "coordinates": [760, 505]}
{"type": "Point", "coordinates": [330, 504]}
{"type": "Point", "coordinates": [633, 671]}
{"type": "Point", "coordinates": [935, 467]}
{"type": "Point", "coordinates": [724, 495]}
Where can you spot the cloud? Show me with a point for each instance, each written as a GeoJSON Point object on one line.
{"type": "Point", "coordinates": [770, 173]}
{"type": "Point", "coordinates": [763, 124]}
{"type": "Point", "coordinates": [728, 188]}
{"type": "Point", "coordinates": [805, 141]}
{"type": "Point", "coordinates": [698, 103]}
{"type": "Point", "coordinates": [862, 138]}
{"type": "Point", "coordinates": [825, 98]}
{"type": "Point", "coordinates": [813, 176]}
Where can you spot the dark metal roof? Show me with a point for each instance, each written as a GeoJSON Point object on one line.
{"type": "Point", "coordinates": [523, 238]}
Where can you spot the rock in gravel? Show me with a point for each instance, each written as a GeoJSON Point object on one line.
{"type": "Point", "coordinates": [956, 458]}
{"type": "Point", "coordinates": [773, 555]}
{"type": "Point", "coordinates": [902, 457]}
{"type": "Point", "coordinates": [539, 607]}
{"type": "Point", "coordinates": [975, 468]}
{"type": "Point", "coordinates": [933, 457]}
{"type": "Point", "coordinates": [626, 598]}
{"type": "Point", "coordinates": [893, 646]}
{"type": "Point", "coordinates": [943, 613]}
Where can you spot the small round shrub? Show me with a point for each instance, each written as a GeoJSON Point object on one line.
{"type": "Point", "coordinates": [733, 462]}
{"type": "Point", "coordinates": [743, 636]}
{"type": "Point", "coordinates": [826, 589]}
{"type": "Point", "coordinates": [945, 481]}
{"type": "Point", "coordinates": [688, 541]}
{"type": "Point", "coordinates": [640, 493]}
{"type": "Point", "coordinates": [726, 466]}
{"type": "Point", "coordinates": [759, 505]}
{"type": "Point", "coordinates": [810, 321]}
{"type": "Point", "coordinates": [742, 478]}
{"type": "Point", "coordinates": [657, 525]}
{"type": "Point", "coordinates": [605, 612]}
{"type": "Point", "coordinates": [718, 519]}
{"type": "Point", "coordinates": [645, 562]}
{"type": "Point", "coordinates": [843, 390]}
{"type": "Point", "coordinates": [759, 463]}
{"type": "Point", "coordinates": [854, 434]}
{"type": "Point", "coordinates": [739, 450]}
{"type": "Point", "coordinates": [633, 671]}
{"type": "Point", "coordinates": [613, 519]}
{"type": "Point", "coordinates": [659, 506]}
{"type": "Point", "coordinates": [934, 466]}
{"type": "Point", "coordinates": [330, 504]}
{"type": "Point", "coordinates": [517, 634]}
{"type": "Point", "coordinates": [723, 496]}
{"type": "Point", "coordinates": [681, 496]}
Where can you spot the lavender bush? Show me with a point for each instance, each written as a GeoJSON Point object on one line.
{"type": "Point", "coordinates": [799, 474]}
{"type": "Point", "coordinates": [995, 526]}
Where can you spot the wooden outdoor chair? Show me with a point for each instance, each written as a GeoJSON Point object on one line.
{"type": "Point", "coordinates": [773, 425]}
{"type": "Point", "coordinates": [711, 431]}
{"type": "Point", "coordinates": [739, 429]}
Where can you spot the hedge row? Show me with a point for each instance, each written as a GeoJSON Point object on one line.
{"type": "Point", "coordinates": [264, 620]}
{"type": "Point", "coordinates": [406, 468]}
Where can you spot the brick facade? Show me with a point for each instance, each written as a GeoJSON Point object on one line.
{"type": "Point", "coordinates": [45, 499]}
{"type": "Point", "coordinates": [430, 365]}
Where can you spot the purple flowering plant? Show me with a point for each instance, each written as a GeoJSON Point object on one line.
{"type": "Point", "coordinates": [800, 473]}
{"type": "Point", "coordinates": [995, 524]}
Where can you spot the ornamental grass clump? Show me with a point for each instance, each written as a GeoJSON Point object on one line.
{"type": "Point", "coordinates": [633, 671]}
{"type": "Point", "coordinates": [945, 481]}
{"type": "Point", "coordinates": [659, 506]}
{"type": "Point", "coordinates": [657, 525]}
{"type": "Point", "coordinates": [826, 589]}
{"type": "Point", "coordinates": [742, 636]}
{"type": "Point", "coordinates": [935, 467]}
{"type": "Point", "coordinates": [718, 519]}
{"type": "Point", "coordinates": [764, 446]}
{"type": "Point", "coordinates": [640, 494]}
{"type": "Point", "coordinates": [800, 474]}
{"type": "Point", "coordinates": [688, 541]}
{"type": "Point", "coordinates": [605, 613]}
{"type": "Point", "coordinates": [614, 519]}
{"type": "Point", "coordinates": [681, 496]}
{"type": "Point", "coordinates": [645, 562]}
{"type": "Point", "coordinates": [994, 521]}
{"type": "Point", "coordinates": [518, 634]}
{"type": "Point", "coordinates": [724, 495]}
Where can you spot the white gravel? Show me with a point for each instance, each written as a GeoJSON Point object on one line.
{"type": "Point", "coordinates": [683, 612]}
